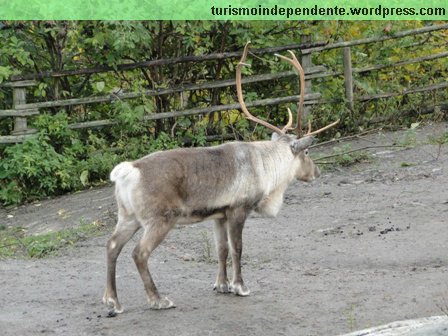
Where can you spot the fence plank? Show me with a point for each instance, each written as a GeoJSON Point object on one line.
{"type": "Point", "coordinates": [417, 111]}
{"type": "Point", "coordinates": [401, 63]}
{"type": "Point", "coordinates": [11, 139]}
{"type": "Point", "coordinates": [22, 83]}
{"type": "Point", "coordinates": [376, 38]}
{"type": "Point", "coordinates": [159, 92]}
{"type": "Point", "coordinates": [309, 99]}
{"type": "Point", "coordinates": [161, 62]}
{"type": "Point", "coordinates": [405, 92]}
{"type": "Point", "coordinates": [382, 66]}
{"type": "Point", "coordinates": [18, 113]}
{"type": "Point", "coordinates": [93, 124]}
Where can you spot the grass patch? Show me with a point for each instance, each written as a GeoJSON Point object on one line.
{"type": "Point", "coordinates": [439, 140]}
{"type": "Point", "coordinates": [348, 159]}
{"type": "Point", "coordinates": [351, 318]}
{"type": "Point", "coordinates": [344, 156]}
{"type": "Point", "coordinates": [15, 243]}
{"type": "Point", "coordinates": [206, 247]}
{"type": "Point", "coordinates": [409, 138]}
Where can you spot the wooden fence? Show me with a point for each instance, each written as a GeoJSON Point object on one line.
{"type": "Point", "coordinates": [22, 110]}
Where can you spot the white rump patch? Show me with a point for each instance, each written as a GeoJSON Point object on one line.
{"type": "Point", "coordinates": [122, 170]}
{"type": "Point", "coordinates": [126, 178]}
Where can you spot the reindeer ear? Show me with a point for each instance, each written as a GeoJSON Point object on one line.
{"type": "Point", "coordinates": [301, 144]}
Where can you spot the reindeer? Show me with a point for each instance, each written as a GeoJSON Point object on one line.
{"type": "Point", "coordinates": [189, 185]}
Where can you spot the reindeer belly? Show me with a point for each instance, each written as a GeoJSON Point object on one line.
{"type": "Point", "coordinates": [200, 215]}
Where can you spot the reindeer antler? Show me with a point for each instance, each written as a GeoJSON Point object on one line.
{"type": "Point", "coordinates": [296, 64]}
{"type": "Point", "coordinates": [243, 106]}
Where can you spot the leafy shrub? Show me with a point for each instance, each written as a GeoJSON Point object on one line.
{"type": "Point", "coordinates": [34, 169]}
{"type": "Point", "coordinates": [59, 160]}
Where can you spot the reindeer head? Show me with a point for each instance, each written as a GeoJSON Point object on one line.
{"type": "Point", "coordinates": [304, 167]}
{"type": "Point", "coordinates": [306, 170]}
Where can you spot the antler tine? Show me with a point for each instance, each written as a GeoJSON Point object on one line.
{"type": "Point", "coordinates": [239, 92]}
{"type": "Point", "coordinates": [322, 129]}
{"type": "Point", "coordinates": [296, 64]}
{"type": "Point", "coordinates": [288, 127]}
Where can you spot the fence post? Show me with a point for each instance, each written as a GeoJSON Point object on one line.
{"type": "Point", "coordinates": [307, 63]}
{"type": "Point", "coordinates": [19, 102]}
{"type": "Point", "coordinates": [348, 77]}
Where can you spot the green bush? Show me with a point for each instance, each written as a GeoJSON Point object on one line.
{"type": "Point", "coordinates": [34, 169]}
{"type": "Point", "coordinates": [59, 160]}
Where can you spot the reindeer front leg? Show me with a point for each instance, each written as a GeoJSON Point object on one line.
{"type": "Point", "coordinates": [222, 249]}
{"type": "Point", "coordinates": [235, 224]}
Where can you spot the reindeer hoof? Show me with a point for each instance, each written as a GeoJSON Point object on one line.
{"type": "Point", "coordinates": [240, 289]}
{"type": "Point", "coordinates": [113, 305]}
{"type": "Point", "coordinates": [164, 303]}
{"type": "Point", "coordinates": [222, 288]}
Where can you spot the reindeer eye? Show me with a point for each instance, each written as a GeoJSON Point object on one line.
{"type": "Point", "coordinates": [306, 151]}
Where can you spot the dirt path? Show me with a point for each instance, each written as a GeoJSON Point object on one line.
{"type": "Point", "coordinates": [362, 246]}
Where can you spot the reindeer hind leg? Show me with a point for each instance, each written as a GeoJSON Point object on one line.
{"type": "Point", "coordinates": [126, 227]}
{"type": "Point", "coordinates": [156, 230]}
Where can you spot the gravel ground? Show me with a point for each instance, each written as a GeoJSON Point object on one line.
{"type": "Point", "coordinates": [362, 246]}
